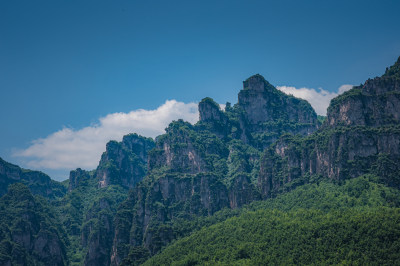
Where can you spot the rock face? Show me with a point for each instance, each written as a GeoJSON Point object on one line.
{"type": "Point", "coordinates": [361, 135]}
{"type": "Point", "coordinates": [198, 170]}
{"type": "Point", "coordinates": [124, 163]}
{"type": "Point", "coordinates": [168, 198]}
{"type": "Point", "coordinates": [177, 151]}
{"type": "Point", "coordinates": [97, 233]}
{"type": "Point", "coordinates": [29, 233]}
{"type": "Point", "coordinates": [212, 116]}
{"type": "Point", "coordinates": [261, 115]}
{"type": "Point", "coordinates": [376, 103]}
{"type": "Point", "coordinates": [262, 103]}
{"type": "Point", "coordinates": [210, 111]}
{"type": "Point", "coordinates": [38, 182]}
{"type": "Point", "coordinates": [270, 112]}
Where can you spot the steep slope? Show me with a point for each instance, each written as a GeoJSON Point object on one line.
{"type": "Point", "coordinates": [124, 163]}
{"type": "Point", "coordinates": [374, 104]}
{"type": "Point", "coordinates": [38, 182]}
{"type": "Point", "coordinates": [269, 112]}
{"type": "Point", "coordinates": [30, 231]}
{"type": "Point", "coordinates": [261, 115]}
{"type": "Point", "coordinates": [88, 209]}
{"type": "Point", "coordinates": [360, 135]}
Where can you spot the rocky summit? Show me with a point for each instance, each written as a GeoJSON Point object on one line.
{"type": "Point", "coordinates": [246, 184]}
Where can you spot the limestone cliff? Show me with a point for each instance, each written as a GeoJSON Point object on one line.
{"type": "Point", "coordinates": [97, 232]}
{"type": "Point", "coordinates": [155, 206]}
{"type": "Point", "coordinates": [360, 135]}
{"type": "Point", "coordinates": [124, 163]}
{"type": "Point", "coordinates": [374, 104]}
{"type": "Point", "coordinates": [262, 114]}
{"type": "Point", "coordinates": [212, 118]}
{"type": "Point", "coordinates": [268, 112]}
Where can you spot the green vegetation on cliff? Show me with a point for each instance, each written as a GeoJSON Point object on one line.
{"type": "Point", "coordinates": [38, 182]}
{"type": "Point", "coordinates": [393, 71]}
{"type": "Point", "coordinates": [30, 230]}
{"type": "Point", "coordinates": [85, 212]}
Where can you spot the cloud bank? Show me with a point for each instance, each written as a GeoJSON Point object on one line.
{"type": "Point", "coordinates": [69, 148]}
{"type": "Point", "coordinates": [319, 99]}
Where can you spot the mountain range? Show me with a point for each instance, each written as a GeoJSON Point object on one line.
{"type": "Point", "coordinates": [264, 181]}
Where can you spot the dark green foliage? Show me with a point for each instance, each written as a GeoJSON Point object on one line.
{"type": "Point", "coordinates": [84, 219]}
{"type": "Point", "coordinates": [388, 168]}
{"type": "Point", "coordinates": [321, 119]}
{"type": "Point", "coordinates": [328, 195]}
{"type": "Point", "coordinates": [30, 230]}
{"type": "Point", "coordinates": [38, 182]}
{"type": "Point", "coordinates": [137, 256]}
{"type": "Point", "coordinates": [353, 223]}
{"type": "Point", "coordinates": [354, 93]}
{"type": "Point", "coordinates": [297, 237]}
{"type": "Point", "coordinates": [393, 71]}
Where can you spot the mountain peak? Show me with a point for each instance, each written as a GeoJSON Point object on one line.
{"type": "Point", "coordinates": [257, 83]}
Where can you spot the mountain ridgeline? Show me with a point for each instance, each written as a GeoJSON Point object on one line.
{"type": "Point", "coordinates": [265, 168]}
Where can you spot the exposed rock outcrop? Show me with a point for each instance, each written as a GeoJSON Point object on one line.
{"type": "Point", "coordinates": [361, 134]}
{"type": "Point", "coordinates": [270, 112]}
{"type": "Point", "coordinates": [177, 150]}
{"type": "Point", "coordinates": [211, 111]}
{"type": "Point", "coordinates": [97, 233]}
{"type": "Point", "coordinates": [124, 163]}
{"type": "Point", "coordinates": [213, 118]}
{"type": "Point", "coordinates": [374, 104]}
{"type": "Point", "coordinates": [261, 115]}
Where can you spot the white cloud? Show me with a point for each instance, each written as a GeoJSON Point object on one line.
{"type": "Point", "coordinates": [69, 148]}
{"type": "Point", "coordinates": [319, 99]}
{"type": "Point", "coordinates": [344, 88]}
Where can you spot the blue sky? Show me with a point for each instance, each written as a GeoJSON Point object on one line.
{"type": "Point", "coordinates": [68, 67]}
